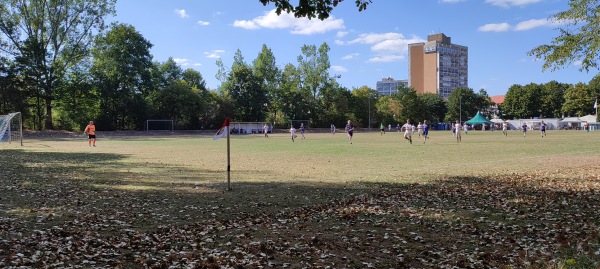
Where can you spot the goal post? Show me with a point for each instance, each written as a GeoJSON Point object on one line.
{"type": "Point", "coordinates": [11, 128]}
{"type": "Point", "coordinates": [159, 125]}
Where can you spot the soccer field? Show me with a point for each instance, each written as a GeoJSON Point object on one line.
{"type": "Point", "coordinates": [489, 201]}
{"type": "Point", "coordinates": [322, 157]}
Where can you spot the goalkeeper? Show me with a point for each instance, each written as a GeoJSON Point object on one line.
{"type": "Point", "coordinates": [90, 130]}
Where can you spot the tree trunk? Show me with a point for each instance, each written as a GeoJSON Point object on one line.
{"type": "Point", "coordinates": [49, 125]}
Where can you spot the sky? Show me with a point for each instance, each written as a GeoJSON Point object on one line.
{"type": "Point", "coordinates": [364, 46]}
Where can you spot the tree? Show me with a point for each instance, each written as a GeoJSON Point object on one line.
{"type": "Point", "coordinates": [179, 102]}
{"type": "Point", "coordinates": [311, 9]}
{"type": "Point", "coordinates": [51, 37]}
{"type": "Point", "coordinates": [245, 90]}
{"type": "Point", "coordinates": [265, 69]}
{"type": "Point", "coordinates": [410, 105]}
{"type": "Point", "coordinates": [364, 100]}
{"type": "Point", "coordinates": [313, 67]}
{"type": "Point", "coordinates": [553, 98]}
{"type": "Point", "coordinates": [578, 39]}
{"type": "Point", "coordinates": [523, 101]}
{"type": "Point", "coordinates": [433, 106]}
{"type": "Point", "coordinates": [121, 71]}
{"type": "Point", "coordinates": [462, 104]}
{"type": "Point", "coordinates": [579, 100]}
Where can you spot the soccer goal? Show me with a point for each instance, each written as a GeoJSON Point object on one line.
{"type": "Point", "coordinates": [11, 128]}
{"type": "Point", "coordinates": [159, 125]}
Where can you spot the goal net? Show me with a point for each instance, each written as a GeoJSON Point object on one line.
{"type": "Point", "coordinates": [159, 125]}
{"type": "Point", "coordinates": [11, 128]}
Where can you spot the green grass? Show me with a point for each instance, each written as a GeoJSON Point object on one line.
{"type": "Point", "coordinates": [472, 203]}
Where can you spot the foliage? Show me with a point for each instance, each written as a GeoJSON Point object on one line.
{"type": "Point", "coordinates": [579, 100]}
{"type": "Point", "coordinates": [121, 73]}
{"type": "Point", "coordinates": [463, 104]}
{"type": "Point", "coordinates": [50, 37]}
{"type": "Point", "coordinates": [320, 9]}
{"type": "Point", "coordinates": [434, 107]}
{"type": "Point", "coordinates": [578, 39]}
{"type": "Point", "coordinates": [524, 101]}
{"type": "Point", "coordinates": [553, 99]}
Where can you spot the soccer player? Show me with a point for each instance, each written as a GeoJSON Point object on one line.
{"type": "Point", "coordinates": [293, 133]}
{"type": "Point", "coordinates": [524, 127]}
{"type": "Point", "coordinates": [302, 130]}
{"type": "Point", "coordinates": [543, 128]}
{"type": "Point", "coordinates": [332, 129]}
{"type": "Point", "coordinates": [266, 130]}
{"type": "Point", "coordinates": [420, 129]}
{"type": "Point", "coordinates": [505, 128]}
{"type": "Point", "coordinates": [90, 129]}
{"type": "Point", "coordinates": [350, 130]}
{"type": "Point", "coordinates": [398, 127]}
{"type": "Point", "coordinates": [425, 130]}
{"type": "Point", "coordinates": [408, 129]}
{"type": "Point", "coordinates": [382, 128]}
{"type": "Point", "coordinates": [457, 127]}
{"type": "Point", "coordinates": [466, 128]}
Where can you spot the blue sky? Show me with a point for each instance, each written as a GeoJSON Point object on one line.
{"type": "Point", "coordinates": [365, 46]}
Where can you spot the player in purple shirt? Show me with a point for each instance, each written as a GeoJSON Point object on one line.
{"type": "Point", "coordinates": [425, 131]}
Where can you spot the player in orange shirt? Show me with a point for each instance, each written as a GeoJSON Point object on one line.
{"type": "Point", "coordinates": [91, 132]}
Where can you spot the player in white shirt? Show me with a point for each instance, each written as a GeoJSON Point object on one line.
{"type": "Point", "coordinates": [266, 130]}
{"type": "Point", "coordinates": [408, 129]}
{"type": "Point", "coordinates": [420, 129]}
{"type": "Point", "coordinates": [293, 133]}
{"type": "Point", "coordinates": [504, 128]}
{"type": "Point", "coordinates": [457, 127]}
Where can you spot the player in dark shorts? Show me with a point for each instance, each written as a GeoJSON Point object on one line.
{"type": "Point", "coordinates": [350, 130]}
{"type": "Point", "coordinates": [425, 131]}
{"type": "Point", "coordinates": [543, 128]}
{"type": "Point", "coordinates": [90, 129]}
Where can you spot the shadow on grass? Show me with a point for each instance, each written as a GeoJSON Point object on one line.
{"type": "Point", "coordinates": [523, 220]}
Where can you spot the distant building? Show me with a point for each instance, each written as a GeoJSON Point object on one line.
{"type": "Point", "coordinates": [438, 66]}
{"type": "Point", "coordinates": [497, 100]}
{"type": "Point", "coordinates": [389, 86]}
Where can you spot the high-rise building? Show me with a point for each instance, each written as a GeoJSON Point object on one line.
{"type": "Point", "coordinates": [389, 86]}
{"type": "Point", "coordinates": [438, 66]}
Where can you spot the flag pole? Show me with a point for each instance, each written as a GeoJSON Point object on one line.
{"type": "Point", "coordinates": [228, 162]}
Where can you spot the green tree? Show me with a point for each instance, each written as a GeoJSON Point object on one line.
{"type": "Point", "coordinates": [121, 71]}
{"type": "Point", "coordinates": [434, 107]}
{"type": "Point", "coordinates": [553, 98]}
{"type": "Point", "coordinates": [312, 9]}
{"type": "Point", "coordinates": [245, 90]}
{"type": "Point", "coordinates": [462, 104]}
{"type": "Point", "coordinates": [314, 67]}
{"type": "Point", "coordinates": [265, 68]}
{"type": "Point", "coordinates": [579, 100]}
{"type": "Point", "coordinates": [180, 102]}
{"type": "Point", "coordinates": [578, 39]}
{"type": "Point", "coordinates": [51, 37]}
{"type": "Point", "coordinates": [77, 100]}
{"type": "Point", "coordinates": [364, 100]}
{"type": "Point", "coordinates": [292, 96]}
{"type": "Point", "coordinates": [523, 101]}
{"type": "Point", "coordinates": [410, 105]}
{"type": "Point", "coordinates": [335, 104]}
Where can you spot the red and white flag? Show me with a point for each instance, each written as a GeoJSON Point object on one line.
{"type": "Point", "coordinates": [223, 131]}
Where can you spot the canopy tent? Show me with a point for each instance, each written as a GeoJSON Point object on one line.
{"type": "Point", "coordinates": [478, 119]}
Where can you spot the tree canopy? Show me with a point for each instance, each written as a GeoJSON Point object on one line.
{"type": "Point", "coordinates": [320, 9]}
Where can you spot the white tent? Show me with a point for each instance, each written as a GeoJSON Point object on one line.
{"type": "Point", "coordinates": [589, 118]}
{"type": "Point", "coordinates": [570, 123]}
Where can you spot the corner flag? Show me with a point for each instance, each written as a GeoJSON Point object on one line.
{"type": "Point", "coordinates": [223, 131]}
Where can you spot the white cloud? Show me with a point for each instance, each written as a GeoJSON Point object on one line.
{"type": "Point", "coordinates": [386, 58]}
{"type": "Point", "coordinates": [495, 27]}
{"type": "Point", "coordinates": [530, 24]}
{"type": "Point", "coordinates": [215, 54]}
{"type": "Point", "coordinates": [338, 42]}
{"type": "Point", "coordinates": [339, 68]}
{"type": "Point", "coordinates": [197, 64]}
{"type": "Point", "coordinates": [301, 26]}
{"type": "Point", "coordinates": [386, 42]}
{"type": "Point", "coordinates": [350, 56]}
{"type": "Point", "coordinates": [509, 3]}
{"type": "Point", "coordinates": [203, 23]}
{"type": "Point", "coordinates": [182, 61]}
{"type": "Point", "coordinates": [182, 13]}
{"type": "Point", "coordinates": [341, 34]}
